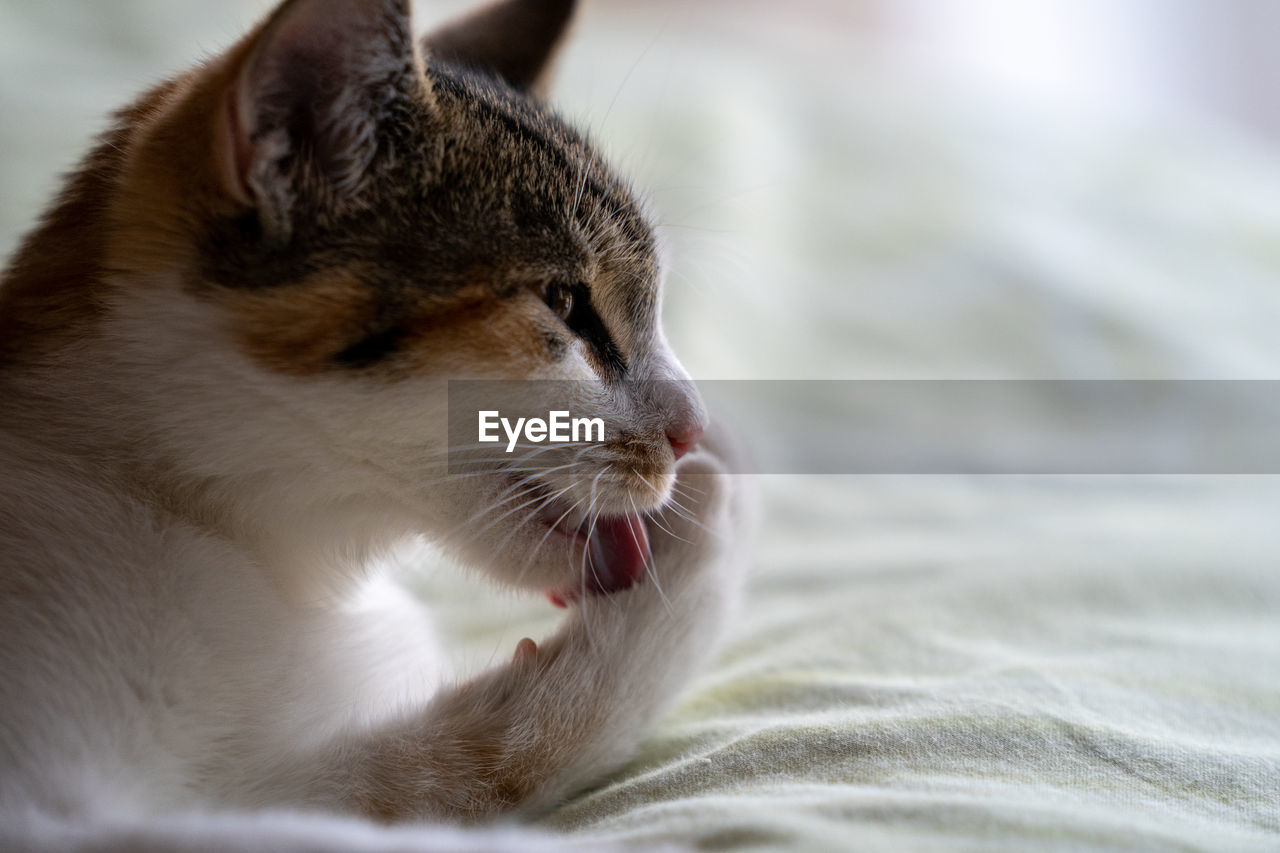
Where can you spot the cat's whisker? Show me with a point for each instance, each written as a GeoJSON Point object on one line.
{"type": "Point", "coordinates": [593, 516]}
{"type": "Point", "coordinates": [502, 466]}
{"type": "Point", "coordinates": [667, 530]}
{"type": "Point", "coordinates": [514, 492]}
{"type": "Point", "coordinates": [488, 472]}
{"type": "Point", "coordinates": [550, 529]}
{"type": "Point", "coordinates": [683, 490]}
{"type": "Point", "coordinates": [492, 470]}
{"type": "Point", "coordinates": [499, 466]}
{"type": "Point", "coordinates": [637, 258]}
{"type": "Point", "coordinates": [649, 567]}
{"type": "Point", "coordinates": [656, 517]}
{"type": "Point", "coordinates": [492, 506]}
{"type": "Point", "coordinates": [684, 512]}
{"type": "Point", "coordinates": [629, 275]}
{"type": "Point", "coordinates": [542, 501]}
{"type": "Point", "coordinates": [581, 181]}
{"type": "Point", "coordinates": [526, 482]}
{"type": "Point", "coordinates": [627, 249]}
{"type": "Point", "coordinates": [625, 244]}
{"type": "Point", "coordinates": [582, 569]}
{"type": "Point", "coordinates": [650, 486]}
{"type": "Point", "coordinates": [688, 490]}
{"type": "Point", "coordinates": [599, 202]}
{"type": "Point", "coordinates": [609, 223]}
{"type": "Point", "coordinates": [547, 501]}
{"type": "Point", "coordinates": [534, 449]}
{"type": "Point", "coordinates": [535, 500]}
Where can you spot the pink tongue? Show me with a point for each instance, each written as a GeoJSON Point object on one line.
{"type": "Point", "coordinates": [617, 554]}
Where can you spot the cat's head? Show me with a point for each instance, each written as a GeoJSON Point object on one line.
{"type": "Point", "coordinates": [314, 232]}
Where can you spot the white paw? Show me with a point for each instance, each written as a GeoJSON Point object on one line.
{"type": "Point", "coordinates": [703, 514]}
{"type": "Point", "coordinates": [696, 536]}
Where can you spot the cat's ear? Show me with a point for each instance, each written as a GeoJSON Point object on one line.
{"type": "Point", "coordinates": [514, 39]}
{"type": "Point", "coordinates": [306, 101]}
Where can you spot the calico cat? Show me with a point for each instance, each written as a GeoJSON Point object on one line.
{"type": "Point", "coordinates": [224, 366]}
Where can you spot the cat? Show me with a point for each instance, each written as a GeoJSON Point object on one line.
{"type": "Point", "coordinates": [225, 358]}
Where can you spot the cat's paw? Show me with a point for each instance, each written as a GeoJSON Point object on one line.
{"type": "Point", "coordinates": [694, 537]}
{"type": "Point", "coordinates": [695, 519]}
{"type": "Point", "coordinates": [709, 505]}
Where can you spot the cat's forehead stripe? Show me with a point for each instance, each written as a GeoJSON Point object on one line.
{"type": "Point", "coordinates": [527, 125]}
{"type": "Point", "coordinates": [598, 194]}
{"type": "Point", "coordinates": [603, 211]}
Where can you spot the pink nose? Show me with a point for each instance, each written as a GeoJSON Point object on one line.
{"type": "Point", "coordinates": [684, 437]}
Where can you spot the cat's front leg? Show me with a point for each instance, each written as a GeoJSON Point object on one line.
{"type": "Point", "coordinates": [563, 712]}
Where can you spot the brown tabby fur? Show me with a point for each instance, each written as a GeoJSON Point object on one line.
{"type": "Point", "coordinates": [461, 208]}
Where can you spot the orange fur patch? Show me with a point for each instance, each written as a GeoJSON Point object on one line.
{"type": "Point", "coordinates": [55, 289]}
{"type": "Point", "coordinates": [131, 208]}
{"type": "Point", "coordinates": [300, 329]}
{"type": "Point", "coordinates": [478, 336]}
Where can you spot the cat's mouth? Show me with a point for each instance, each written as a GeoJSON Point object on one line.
{"type": "Point", "coordinates": [615, 554]}
{"type": "Point", "coordinates": [610, 551]}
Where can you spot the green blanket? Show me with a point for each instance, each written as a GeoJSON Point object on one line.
{"type": "Point", "coordinates": [946, 664]}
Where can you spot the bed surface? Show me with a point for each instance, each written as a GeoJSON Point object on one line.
{"type": "Point", "coordinates": [926, 663]}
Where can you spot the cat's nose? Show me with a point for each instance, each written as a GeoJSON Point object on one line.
{"type": "Point", "coordinates": [685, 436]}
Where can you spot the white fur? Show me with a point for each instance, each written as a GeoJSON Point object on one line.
{"type": "Point", "coordinates": [231, 652]}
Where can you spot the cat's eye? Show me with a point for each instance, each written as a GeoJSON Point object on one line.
{"type": "Point", "coordinates": [572, 304]}
{"type": "Point", "coordinates": [559, 299]}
